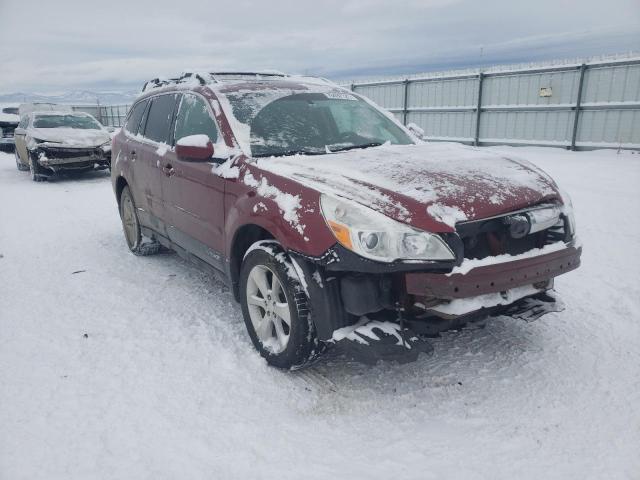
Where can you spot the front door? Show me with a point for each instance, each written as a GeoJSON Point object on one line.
{"type": "Point", "coordinates": [147, 152]}
{"type": "Point", "coordinates": [193, 193]}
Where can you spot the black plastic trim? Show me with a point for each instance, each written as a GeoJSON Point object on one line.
{"type": "Point", "coordinates": [340, 259]}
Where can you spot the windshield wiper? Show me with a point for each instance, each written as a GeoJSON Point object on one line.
{"type": "Point", "coordinates": [290, 152]}
{"type": "Point", "coordinates": [354, 147]}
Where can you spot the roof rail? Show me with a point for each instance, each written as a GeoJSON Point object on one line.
{"type": "Point", "coordinates": [219, 77]}
{"type": "Point", "coordinates": [184, 77]}
{"type": "Point", "coordinates": [257, 74]}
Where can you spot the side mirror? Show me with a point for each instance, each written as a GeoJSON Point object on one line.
{"type": "Point", "coordinates": [416, 130]}
{"type": "Point", "coordinates": [194, 148]}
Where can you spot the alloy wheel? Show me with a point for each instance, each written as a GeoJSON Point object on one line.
{"type": "Point", "coordinates": [268, 308]}
{"type": "Point", "coordinates": [129, 221]}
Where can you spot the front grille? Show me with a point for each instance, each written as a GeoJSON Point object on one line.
{"type": "Point", "coordinates": [484, 238]}
{"type": "Point", "coordinates": [7, 132]}
{"type": "Point", "coordinates": [56, 152]}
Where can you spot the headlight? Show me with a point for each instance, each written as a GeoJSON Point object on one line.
{"type": "Point", "coordinates": [32, 143]}
{"type": "Point", "coordinates": [378, 237]}
{"type": "Point", "coordinates": [567, 209]}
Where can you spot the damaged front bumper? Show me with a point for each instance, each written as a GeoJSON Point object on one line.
{"type": "Point", "coordinates": [423, 301]}
{"type": "Point", "coordinates": [494, 277]}
{"type": "Point", "coordinates": [370, 341]}
{"type": "Point", "coordinates": [59, 158]}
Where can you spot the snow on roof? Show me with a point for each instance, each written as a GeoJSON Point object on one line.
{"type": "Point", "coordinates": [43, 107]}
{"type": "Point", "coordinates": [191, 79]}
{"type": "Point", "coordinates": [41, 113]}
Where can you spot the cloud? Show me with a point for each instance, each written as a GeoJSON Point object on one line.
{"type": "Point", "coordinates": [71, 44]}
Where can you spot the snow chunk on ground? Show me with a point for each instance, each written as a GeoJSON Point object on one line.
{"type": "Point", "coordinates": [365, 329]}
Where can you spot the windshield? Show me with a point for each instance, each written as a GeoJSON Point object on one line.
{"type": "Point", "coordinates": [311, 123]}
{"type": "Point", "coordinates": [10, 110]}
{"type": "Point", "coordinates": [66, 121]}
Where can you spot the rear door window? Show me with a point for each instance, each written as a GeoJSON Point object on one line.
{"type": "Point", "coordinates": [160, 118]}
{"type": "Point", "coordinates": [133, 122]}
{"type": "Point", "coordinates": [194, 118]}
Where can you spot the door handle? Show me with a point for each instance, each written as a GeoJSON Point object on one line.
{"type": "Point", "coordinates": [133, 153]}
{"type": "Point", "coordinates": [168, 170]}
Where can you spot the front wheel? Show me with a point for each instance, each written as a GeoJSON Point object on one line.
{"type": "Point", "coordinates": [275, 308]}
{"type": "Point", "coordinates": [35, 170]}
{"type": "Point", "coordinates": [21, 166]}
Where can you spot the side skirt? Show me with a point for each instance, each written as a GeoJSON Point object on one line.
{"type": "Point", "coordinates": [188, 256]}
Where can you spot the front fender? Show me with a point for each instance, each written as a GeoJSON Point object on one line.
{"type": "Point", "coordinates": [290, 212]}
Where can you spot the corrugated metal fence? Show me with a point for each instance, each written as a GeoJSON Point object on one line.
{"type": "Point", "coordinates": [108, 115]}
{"type": "Point", "coordinates": [575, 106]}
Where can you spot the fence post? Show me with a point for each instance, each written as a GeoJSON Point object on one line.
{"type": "Point", "coordinates": [476, 138]}
{"type": "Point", "coordinates": [576, 117]}
{"type": "Point", "coordinates": [405, 101]}
{"type": "Point", "coordinates": [99, 112]}
{"type": "Point", "coordinates": [352, 87]}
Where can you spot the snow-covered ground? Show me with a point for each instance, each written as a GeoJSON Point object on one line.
{"type": "Point", "coordinates": [119, 367]}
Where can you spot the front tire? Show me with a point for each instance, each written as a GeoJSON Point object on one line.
{"type": "Point", "coordinates": [21, 166]}
{"type": "Point", "coordinates": [34, 168]}
{"type": "Point", "coordinates": [275, 308]}
{"type": "Point", "coordinates": [138, 244]}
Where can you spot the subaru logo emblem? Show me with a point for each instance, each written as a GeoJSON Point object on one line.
{"type": "Point", "coordinates": [519, 225]}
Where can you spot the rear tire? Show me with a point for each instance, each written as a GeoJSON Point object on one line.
{"type": "Point", "coordinates": [136, 242]}
{"type": "Point", "coordinates": [275, 308]}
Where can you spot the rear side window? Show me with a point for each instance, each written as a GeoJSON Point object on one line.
{"type": "Point", "coordinates": [194, 119]}
{"type": "Point", "coordinates": [134, 118]}
{"type": "Point", "coordinates": [160, 118]}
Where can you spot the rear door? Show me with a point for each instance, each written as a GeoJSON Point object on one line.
{"type": "Point", "coordinates": [20, 134]}
{"type": "Point", "coordinates": [193, 193]}
{"type": "Point", "coordinates": [151, 143]}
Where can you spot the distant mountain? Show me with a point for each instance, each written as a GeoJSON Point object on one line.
{"type": "Point", "coordinates": [79, 97]}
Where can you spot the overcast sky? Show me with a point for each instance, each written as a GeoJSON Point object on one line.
{"type": "Point", "coordinates": [55, 45]}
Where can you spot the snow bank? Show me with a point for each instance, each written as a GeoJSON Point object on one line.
{"type": "Point", "coordinates": [166, 383]}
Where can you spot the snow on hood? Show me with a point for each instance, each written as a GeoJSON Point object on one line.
{"type": "Point", "coordinates": [71, 137]}
{"type": "Point", "coordinates": [445, 182]}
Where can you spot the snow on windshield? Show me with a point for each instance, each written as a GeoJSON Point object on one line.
{"type": "Point", "coordinates": [290, 118]}
{"type": "Point", "coordinates": [66, 121]}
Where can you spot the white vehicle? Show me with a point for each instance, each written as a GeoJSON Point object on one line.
{"type": "Point", "coordinates": [9, 119]}
{"type": "Point", "coordinates": [48, 142]}
{"type": "Point", "coordinates": [26, 108]}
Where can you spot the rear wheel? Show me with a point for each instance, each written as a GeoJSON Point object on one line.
{"type": "Point", "coordinates": [136, 242]}
{"type": "Point", "coordinates": [275, 308]}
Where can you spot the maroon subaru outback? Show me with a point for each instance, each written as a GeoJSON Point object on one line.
{"type": "Point", "coordinates": [333, 224]}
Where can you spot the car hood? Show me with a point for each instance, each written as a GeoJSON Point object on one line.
{"type": "Point", "coordinates": [71, 137]}
{"type": "Point", "coordinates": [431, 186]}
{"type": "Point", "coordinates": [9, 119]}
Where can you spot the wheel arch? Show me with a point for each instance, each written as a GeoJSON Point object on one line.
{"type": "Point", "coordinates": [243, 238]}
{"type": "Point", "coordinates": [121, 182]}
